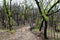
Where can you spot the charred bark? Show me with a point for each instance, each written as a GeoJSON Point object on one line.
{"type": "Point", "coordinates": [3, 22]}
{"type": "Point", "coordinates": [45, 30]}
{"type": "Point", "coordinates": [41, 25]}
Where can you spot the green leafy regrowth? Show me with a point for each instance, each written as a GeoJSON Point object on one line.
{"type": "Point", "coordinates": [53, 6]}
{"type": "Point", "coordinates": [44, 12]}
{"type": "Point", "coordinates": [12, 31]}
{"type": "Point", "coordinates": [41, 10]}
{"type": "Point", "coordinates": [10, 16]}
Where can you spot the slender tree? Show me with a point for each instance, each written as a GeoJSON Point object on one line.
{"type": "Point", "coordinates": [8, 12]}
{"type": "Point", "coordinates": [3, 15]}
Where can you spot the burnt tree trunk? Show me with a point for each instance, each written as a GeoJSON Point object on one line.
{"type": "Point", "coordinates": [45, 30]}
{"type": "Point", "coordinates": [10, 26]}
{"type": "Point", "coordinates": [41, 26]}
{"type": "Point", "coordinates": [3, 21]}
{"type": "Point", "coordinates": [17, 19]}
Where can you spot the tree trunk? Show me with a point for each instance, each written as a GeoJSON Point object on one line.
{"type": "Point", "coordinates": [3, 23]}
{"type": "Point", "coordinates": [45, 30]}
{"type": "Point", "coordinates": [41, 25]}
{"type": "Point", "coordinates": [17, 19]}
{"type": "Point", "coordinates": [10, 26]}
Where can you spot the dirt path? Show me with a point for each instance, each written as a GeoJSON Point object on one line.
{"type": "Point", "coordinates": [22, 34]}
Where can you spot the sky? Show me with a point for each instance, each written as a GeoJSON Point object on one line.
{"type": "Point", "coordinates": [20, 1]}
{"type": "Point", "coordinates": [13, 1]}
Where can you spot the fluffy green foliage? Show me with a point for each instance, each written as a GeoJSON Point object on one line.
{"type": "Point", "coordinates": [45, 17]}
{"type": "Point", "coordinates": [43, 12]}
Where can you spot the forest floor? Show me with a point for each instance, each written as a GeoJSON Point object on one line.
{"type": "Point", "coordinates": [20, 34]}
{"type": "Point", "coordinates": [23, 34]}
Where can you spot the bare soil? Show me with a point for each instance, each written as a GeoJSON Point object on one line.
{"type": "Point", "coordinates": [20, 34]}
{"type": "Point", "coordinates": [24, 33]}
